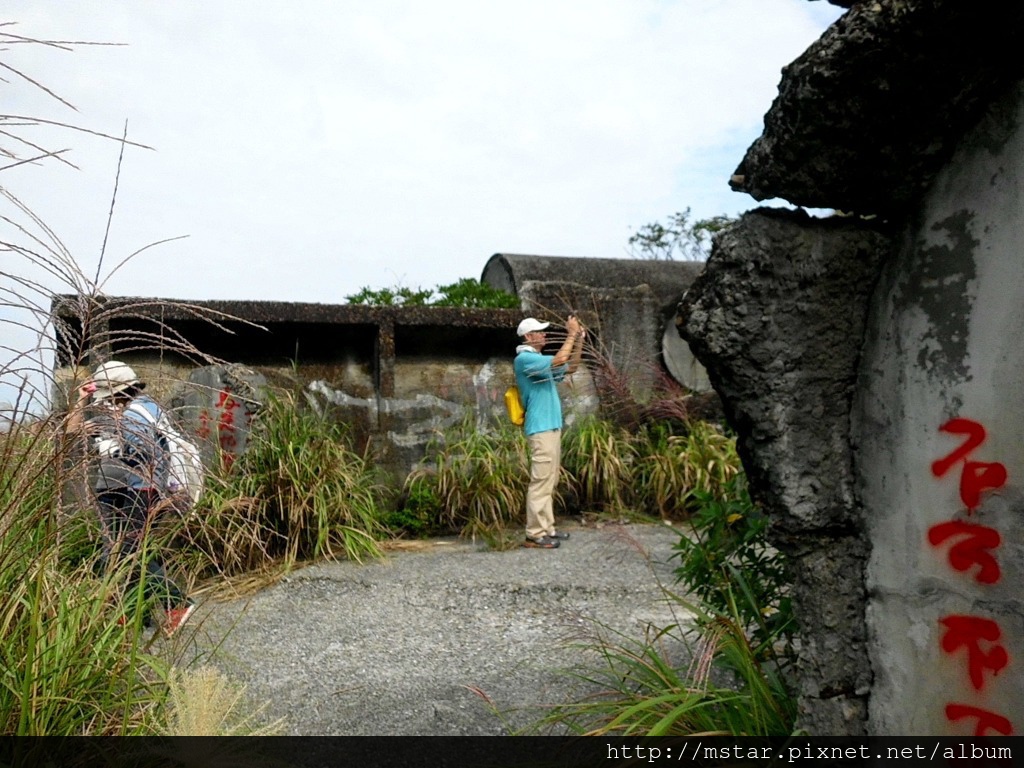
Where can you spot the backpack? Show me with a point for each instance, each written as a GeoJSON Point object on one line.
{"type": "Point", "coordinates": [185, 472]}
{"type": "Point", "coordinates": [514, 406]}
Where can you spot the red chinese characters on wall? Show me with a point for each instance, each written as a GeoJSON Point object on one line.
{"type": "Point", "coordinates": [969, 633]}
{"type": "Point", "coordinates": [975, 476]}
{"type": "Point", "coordinates": [225, 425]}
{"type": "Point", "coordinates": [971, 549]}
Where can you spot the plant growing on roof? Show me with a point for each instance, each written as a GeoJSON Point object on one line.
{"type": "Point", "coordinates": [467, 292]}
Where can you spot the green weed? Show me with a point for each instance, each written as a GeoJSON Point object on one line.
{"type": "Point", "coordinates": [728, 564]}
{"type": "Point", "coordinates": [675, 681]}
{"type": "Point", "coordinates": [299, 492]}
{"type": "Point", "coordinates": [598, 460]}
{"type": "Point", "coordinates": [473, 480]}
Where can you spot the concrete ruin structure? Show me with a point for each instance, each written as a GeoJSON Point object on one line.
{"type": "Point", "coordinates": [629, 303]}
{"type": "Point", "coordinates": [870, 362]}
{"type": "Point", "coordinates": [397, 375]}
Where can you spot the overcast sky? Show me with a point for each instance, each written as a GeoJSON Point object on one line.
{"type": "Point", "coordinates": [307, 149]}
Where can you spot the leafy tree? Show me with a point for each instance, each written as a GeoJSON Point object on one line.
{"type": "Point", "coordinates": [678, 238]}
{"type": "Point", "coordinates": [466, 292]}
{"type": "Point", "coordinates": [391, 297]}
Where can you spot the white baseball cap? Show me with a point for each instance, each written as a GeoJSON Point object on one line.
{"type": "Point", "coordinates": [531, 324]}
{"type": "Point", "coordinates": [113, 377]}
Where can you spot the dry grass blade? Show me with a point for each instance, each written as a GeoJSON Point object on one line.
{"type": "Point", "coordinates": [71, 667]}
{"type": "Point", "coordinates": [203, 702]}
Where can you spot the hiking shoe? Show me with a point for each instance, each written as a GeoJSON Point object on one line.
{"type": "Point", "coordinates": [544, 542]}
{"type": "Point", "coordinates": [126, 620]}
{"type": "Point", "coordinates": [559, 535]}
{"type": "Point", "coordinates": [176, 617]}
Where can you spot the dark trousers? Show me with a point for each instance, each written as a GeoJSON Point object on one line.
{"type": "Point", "coordinates": [126, 515]}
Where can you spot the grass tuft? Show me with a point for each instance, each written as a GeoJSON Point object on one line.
{"type": "Point", "coordinates": [299, 493]}
{"type": "Point", "coordinates": [203, 702]}
{"type": "Point", "coordinates": [472, 482]}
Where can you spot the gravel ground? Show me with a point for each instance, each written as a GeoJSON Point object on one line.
{"type": "Point", "coordinates": [393, 647]}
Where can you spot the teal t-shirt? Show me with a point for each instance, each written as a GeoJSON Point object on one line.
{"type": "Point", "coordinates": [537, 380]}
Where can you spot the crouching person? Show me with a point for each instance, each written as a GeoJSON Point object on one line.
{"type": "Point", "coordinates": [130, 482]}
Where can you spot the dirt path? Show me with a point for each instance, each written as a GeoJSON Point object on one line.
{"type": "Point", "coordinates": [394, 647]}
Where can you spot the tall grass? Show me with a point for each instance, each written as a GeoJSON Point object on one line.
{"type": "Point", "coordinates": [675, 471]}
{"type": "Point", "coordinates": [598, 461]}
{"type": "Point", "coordinates": [68, 667]}
{"type": "Point", "coordinates": [472, 481]}
{"type": "Point", "coordinates": [673, 682]}
{"type": "Point", "coordinates": [203, 702]}
{"type": "Point", "coordinates": [299, 492]}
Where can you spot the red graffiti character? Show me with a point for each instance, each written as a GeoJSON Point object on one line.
{"type": "Point", "coordinates": [987, 721]}
{"type": "Point", "coordinates": [980, 476]}
{"type": "Point", "coordinates": [973, 548]}
{"type": "Point", "coordinates": [968, 632]}
{"type": "Point", "coordinates": [976, 476]}
{"type": "Point", "coordinates": [226, 422]}
{"type": "Point", "coordinates": [975, 437]}
{"type": "Point", "coordinates": [204, 425]}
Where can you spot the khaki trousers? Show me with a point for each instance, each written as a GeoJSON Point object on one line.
{"type": "Point", "coordinates": [545, 466]}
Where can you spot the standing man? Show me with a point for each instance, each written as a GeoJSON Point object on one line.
{"type": "Point", "coordinates": [537, 376]}
{"type": "Point", "coordinates": [130, 480]}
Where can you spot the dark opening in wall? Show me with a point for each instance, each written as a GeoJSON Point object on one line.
{"type": "Point", "coordinates": [70, 346]}
{"type": "Point", "coordinates": [452, 342]}
{"type": "Point", "coordinates": [279, 344]}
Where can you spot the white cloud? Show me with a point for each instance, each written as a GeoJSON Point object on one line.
{"type": "Point", "coordinates": [310, 148]}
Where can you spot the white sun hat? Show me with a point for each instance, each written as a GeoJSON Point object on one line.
{"type": "Point", "coordinates": [113, 377]}
{"type": "Point", "coordinates": [530, 325]}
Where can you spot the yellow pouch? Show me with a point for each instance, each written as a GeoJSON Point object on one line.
{"type": "Point", "coordinates": [514, 406]}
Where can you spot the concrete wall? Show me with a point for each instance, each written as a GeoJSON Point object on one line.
{"type": "Point", "coordinates": [872, 370]}
{"type": "Point", "coordinates": [399, 376]}
{"type": "Point", "coordinates": [941, 381]}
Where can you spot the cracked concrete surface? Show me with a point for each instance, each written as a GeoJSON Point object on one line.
{"type": "Point", "coordinates": [407, 645]}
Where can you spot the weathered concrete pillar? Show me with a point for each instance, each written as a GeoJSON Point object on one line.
{"type": "Point", "coordinates": [777, 318]}
{"type": "Point", "coordinates": [939, 418]}
{"type": "Point", "coordinates": [385, 352]}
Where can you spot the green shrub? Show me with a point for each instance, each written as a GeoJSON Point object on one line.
{"type": "Point", "coordinates": [598, 459]}
{"type": "Point", "coordinates": [472, 479]}
{"type": "Point", "coordinates": [467, 292]}
{"type": "Point", "coordinates": [419, 509]}
{"type": "Point", "coordinates": [298, 492]}
{"type": "Point", "coordinates": [391, 297]}
{"type": "Point", "coordinates": [729, 566]}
